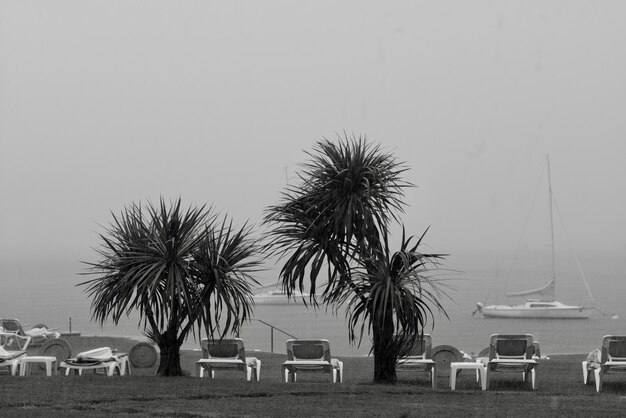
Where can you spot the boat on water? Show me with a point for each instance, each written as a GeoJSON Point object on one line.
{"type": "Point", "coordinates": [544, 304]}
{"type": "Point", "coordinates": [536, 309]}
{"type": "Point", "coordinates": [279, 297]}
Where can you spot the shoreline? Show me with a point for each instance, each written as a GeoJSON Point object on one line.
{"type": "Point", "coordinates": [77, 340]}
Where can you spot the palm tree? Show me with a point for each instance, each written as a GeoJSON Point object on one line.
{"type": "Point", "coordinates": [337, 218]}
{"type": "Point", "coordinates": [183, 270]}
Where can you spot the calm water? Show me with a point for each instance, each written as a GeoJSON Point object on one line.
{"type": "Point", "coordinates": [45, 292]}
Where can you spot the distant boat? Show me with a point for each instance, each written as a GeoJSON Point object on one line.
{"type": "Point", "coordinates": [544, 306]}
{"type": "Point", "coordinates": [536, 309]}
{"type": "Point", "coordinates": [279, 297]}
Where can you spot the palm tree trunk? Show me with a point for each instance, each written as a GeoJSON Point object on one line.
{"type": "Point", "coordinates": [170, 355]}
{"type": "Point", "coordinates": [384, 351]}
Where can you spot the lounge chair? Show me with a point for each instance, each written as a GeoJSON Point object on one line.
{"type": "Point", "coordinates": [98, 359]}
{"type": "Point", "coordinates": [512, 353]}
{"type": "Point", "coordinates": [39, 335]}
{"type": "Point", "coordinates": [226, 354]}
{"type": "Point", "coordinates": [419, 359]}
{"type": "Point", "coordinates": [310, 356]}
{"type": "Point", "coordinates": [12, 350]}
{"type": "Point", "coordinates": [11, 360]}
{"type": "Point", "coordinates": [611, 358]}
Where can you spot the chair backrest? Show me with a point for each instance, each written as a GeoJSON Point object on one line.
{"type": "Point", "coordinates": [225, 348]}
{"type": "Point", "coordinates": [13, 326]}
{"type": "Point", "coordinates": [518, 346]}
{"type": "Point", "coordinates": [613, 348]}
{"type": "Point", "coordinates": [421, 347]}
{"type": "Point", "coordinates": [308, 350]}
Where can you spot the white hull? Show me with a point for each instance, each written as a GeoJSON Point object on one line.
{"type": "Point", "coordinates": [536, 310]}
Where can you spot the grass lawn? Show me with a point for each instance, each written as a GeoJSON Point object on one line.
{"type": "Point", "coordinates": [560, 392]}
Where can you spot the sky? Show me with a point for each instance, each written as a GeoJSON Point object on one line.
{"type": "Point", "coordinates": [105, 103]}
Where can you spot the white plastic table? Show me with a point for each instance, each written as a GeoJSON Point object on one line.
{"type": "Point", "coordinates": [481, 372]}
{"type": "Point", "coordinates": [26, 362]}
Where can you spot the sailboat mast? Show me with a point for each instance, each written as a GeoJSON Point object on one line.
{"type": "Point", "coordinates": [551, 219]}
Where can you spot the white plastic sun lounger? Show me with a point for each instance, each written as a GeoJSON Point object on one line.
{"type": "Point", "coordinates": [420, 360]}
{"type": "Point", "coordinates": [512, 353]}
{"type": "Point", "coordinates": [11, 359]}
{"type": "Point", "coordinates": [611, 358]}
{"type": "Point", "coordinates": [102, 358]}
{"type": "Point", "coordinates": [226, 354]}
{"type": "Point", "coordinates": [310, 356]}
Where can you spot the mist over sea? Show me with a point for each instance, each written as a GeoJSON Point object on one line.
{"type": "Point", "coordinates": [44, 291]}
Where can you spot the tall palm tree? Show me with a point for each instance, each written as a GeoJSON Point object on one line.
{"type": "Point", "coordinates": [336, 222]}
{"type": "Point", "coordinates": [183, 270]}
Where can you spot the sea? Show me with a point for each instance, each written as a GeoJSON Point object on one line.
{"type": "Point", "coordinates": [45, 292]}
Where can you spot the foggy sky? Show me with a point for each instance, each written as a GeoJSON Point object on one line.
{"type": "Point", "coordinates": [105, 103]}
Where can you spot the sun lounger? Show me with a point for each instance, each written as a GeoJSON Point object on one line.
{"type": "Point", "coordinates": [419, 360]}
{"type": "Point", "coordinates": [11, 359]}
{"type": "Point", "coordinates": [98, 359]}
{"type": "Point", "coordinates": [611, 358]}
{"type": "Point", "coordinates": [37, 336]}
{"type": "Point", "coordinates": [310, 356]}
{"type": "Point", "coordinates": [40, 335]}
{"type": "Point", "coordinates": [226, 354]}
{"type": "Point", "coordinates": [512, 353]}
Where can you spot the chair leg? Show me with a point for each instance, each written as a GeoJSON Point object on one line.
{"type": "Point", "coordinates": [598, 376]}
{"type": "Point", "coordinates": [257, 369]}
{"type": "Point", "coordinates": [585, 373]}
{"type": "Point", "coordinates": [124, 367]}
{"type": "Point", "coordinates": [483, 378]}
{"type": "Point", "coordinates": [14, 368]}
{"type": "Point", "coordinates": [290, 374]}
{"type": "Point", "coordinates": [453, 377]}
{"type": "Point", "coordinates": [112, 369]}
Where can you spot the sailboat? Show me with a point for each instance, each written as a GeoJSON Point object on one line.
{"type": "Point", "coordinates": [544, 304]}
{"type": "Point", "coordinates": [279, 297]}
{"type": "Point", "coordinates": [270, 295]}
